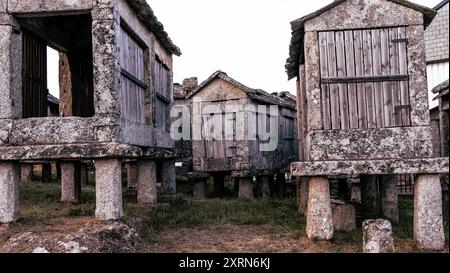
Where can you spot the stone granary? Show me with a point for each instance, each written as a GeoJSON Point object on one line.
{"type": "Point", "coordinates": [116, 79]}
{"type": "Point", "coordinates": [363, 107]}
{"type": "Point", "coordinates": [225, 139]}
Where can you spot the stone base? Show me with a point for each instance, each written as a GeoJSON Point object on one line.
{"type": "Point", "coordinates": [132, 174]}
{"type": "Point", "coordinates": [70, 182]}
{"type": "Point", "coordinates": [9, 192]}
{"type": "Point", "coordinates": [319, 220]}
{"type": "Point", "coordinates": [146, 182]}
{"type": "Point", "coordinates": [169, 178]}
{"type": "Point", "coordinates": [389, 198]}
{"type": "Point", "coordinates": [246, 188]}
{"type": "Point", "coordinates": [200, 189]}
{"type": "Point", "coordinates": [428, 221]}
{"type": "Point", "coordinates": [344, 216]}
{"type": "Point", "coordinates": [377, 236]}
{"type": "Point", "coordinates": [264, 186]}
{"type": "Point", "coordinates": [302, 195]}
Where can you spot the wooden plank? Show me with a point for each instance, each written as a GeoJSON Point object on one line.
{"type": "Point", "coordinates": [387, 86]}
{"type": "Point", "coordinates": [395, 70]}
{"type": "Point", "coordinates": [365, 79]}
{"type": "Point", "coordinates": [334, 89]}
{"type": "Point", "coordinates": [404, 88]}
{"type": "Point", "coordinates": [352, 92]}
{"type": "Point", "coordinates": [368, 71]}
{"type": "Point", "coordinates": [377, 70]}
{"type": "Point", "coordinates": [325, 88]}
{"type": "Point", "coordinates": [359, 71]}
{"type": "Point", "coordinates": [342, 72]}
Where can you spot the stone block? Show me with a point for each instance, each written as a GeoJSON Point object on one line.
{"type": "Point", "coordinates": [344, 216]}
{"type": "Point", "coordinates": [246, 188]}
{"type": "Point", "coordinates": [377, 236]}
{"type": "Point", "coordinates": [108, 179]}
{"type": "Point", "coordinates": [319, 220]}
{"type": "Point", "coordinates": [146, 182]}
{"type": "Point", "coordinates": [9, 192]}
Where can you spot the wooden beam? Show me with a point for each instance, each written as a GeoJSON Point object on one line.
{"type": "Point", "coordinates": [365, 79]}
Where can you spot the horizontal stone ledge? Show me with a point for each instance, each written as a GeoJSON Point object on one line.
{"type": "Point", "coordinates": [371, 167]}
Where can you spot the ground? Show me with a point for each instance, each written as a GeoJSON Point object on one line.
{"type": "Point", "coordinates": [185, 225]}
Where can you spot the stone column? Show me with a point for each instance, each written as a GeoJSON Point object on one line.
{"type": "Point", "coordinates": [169, 178]}
{"type": "Point", "coordinates": [389, 198]}
{"type": "Point", "coordinates": [281, 184]}
{"type": "Point", "coordinates": [26, 173]}
{"type": "Point", "coordinates": [46, 175]}
{"type": "Point", "coordinates": [83, 175]}
{"type": "Point", "coordinates": [377, 236]}
{"type": "Point", "coordinates": [70, 182]}
{"type": "Point", "coordinates": [246, 188]}
{"type": "Point", "coordinates": [146, 182]}
{"type": "Point", "coordinates": [108, 188]}
{"type": "Point", "coordinates": [356, 192]}
{"type": "Point", "coordinates": [370, 197]}
{"type": "Point", "coordinates": [132, 174]}
{"type": "Point", "coordinates": [9, 192]}
{"type": "Point", "coordinates": [428, 221]}
{"type": "Point", "coordinates": [264, 186]}
{"type": "Point", "coordinates": [302, 194]}
{"type": "Point", "coordinates": [200, 188]}
{"type": "Point", "coordinates": [319, 220]}
{"type": "Point", "coordinates": [219, 185]}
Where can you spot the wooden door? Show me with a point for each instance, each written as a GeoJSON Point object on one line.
{"type": "Point", "coordinates": [34, 76]}
{"type": "Point", "coordinates": [364, 78]}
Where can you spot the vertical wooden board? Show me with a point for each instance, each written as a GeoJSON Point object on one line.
{"type": "Point", "coordinates": [350, 69]}
{"type": "Point", "coordinates": [334, 90]}
{"type": "Point", "coordinates": [387, 86]}
{"type": "Point", "coordinates": [377, 70]}
{"type": "Point", "coordinates": [368, 71]}
{"type": "Point", "coordinates": [404, 87]}
{"type": "Point", "coordinates": [395, 70]}
{"type": "Point", "coordinates": [341, 70]}
{"type": "Point", "coordinates": [325, 88]}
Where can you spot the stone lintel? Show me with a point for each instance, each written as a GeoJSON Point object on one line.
{"type": "Point", "coordinates": [371, 167]}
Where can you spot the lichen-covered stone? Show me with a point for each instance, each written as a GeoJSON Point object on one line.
{"type": "Point", "coordinates": [377, 236]}
{"type": "Point", "coordinates": [70, 182]}
{"type": "Point", "coordinates": [428, 222]}
{"type": "Point", "coordinates": [312, 74]}
{"type": "Point", "coordinates": [147, 193]}
{"type": "Point", "coordinates": [200, 188]}
{"type": "Point", "coordinates": [303, 189]}
{"type": "Point", "coordinates": [26, 173]}
{"type": "Point", "coordinates": [47, 6]}
{"type": "Point", "coordinates": [9, 192]}
{"type": "Point", "coordinates": [319, 219]}
{"type": "Point", "coordinates": [169, 177]}
{"type": "Point", "coordinates": [108, 188]}
{"type": "Point", "coordinates": [371, 167]}
{"type": "Point", "coordinates": [383, 143]}
{"type": "Point", "coordinates": [132, 174]}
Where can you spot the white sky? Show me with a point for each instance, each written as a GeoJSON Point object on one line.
{"type": "Point", "coordinates": [248, 39]}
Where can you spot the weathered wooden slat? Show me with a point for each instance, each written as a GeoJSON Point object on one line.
{"type": "Point", "coordinates": [404, 89]}
{"type": "Point", "coordinates": [359, 71]}
{"type": "Point", "coordinates": [334, 90]}
{"type": "Point", "coordinates": [395, 70]}
{"type": "Point", "coordinates": [351, 88]}
{"type": "Point", "coordinates": [368, 71]}
{"type": "Point", "coordinates": [341, 70]}
{"type": "Point", "coordinates": [325, 88]}
{"type": "Point", "coordinates": [378, 87]}
{"type": "Point", "coordinates": [387, 86]}
{"type": "Point", "coordinates": [365, 79]}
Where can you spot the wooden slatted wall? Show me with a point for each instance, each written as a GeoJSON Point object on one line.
{"type": "Point", "coordinates": [132, 80]}
{"type": "Point", "coordinates": [364, 78]}
{"type": "Point", "coordinates": [223, 145]}
{"type": "Point", "coordinates": [34, 81]}
{"type": "Point", "coordinates": [161, 82]}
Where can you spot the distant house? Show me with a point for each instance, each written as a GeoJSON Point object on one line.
{"type": "Point", "coordinates": [52, 106]}
{"type": "Point", "coordinates": [437, 49]}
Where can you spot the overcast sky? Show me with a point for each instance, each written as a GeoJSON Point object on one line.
{"type": "Point", "coordinates": [248, 39]}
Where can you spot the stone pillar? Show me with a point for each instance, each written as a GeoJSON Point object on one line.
{"type": "Point", "coordinates": [370, 197]}
{"type": "Point", "coordinates": [377, 236]}
{"type": "Point", "coordinates": [264, 182]}
{"type": "Point", "coordinates": [356, 192]}
{"type": "Point", "coordinates": [9, 192]}
{"type": "Point", "coordinates": [246, 188]}
{"type": "Point", "coordinates": [200, 188]}
{"type": "Point", "coordinates": [83, 175]}
{"type": "Point", "coordinates": [344, 216]}
{"type": "Point", "coordinates": [108, 188]}
{"type": "Point", "coordinates": [70, 182]}
{"type": "Point", "coordinates": [281, 184]}
{"type": "Point", "coordinates": [302, 194]}
{"type": "Point", "coordinates": [319, 220]}
{"type": "Point", "coordinates": [26, 173]}
{"type": "Point", "coordinates": [146, 182]}
{"type": "Point", "coordinates": [389, 198]}
{"type": "Point", "coordinates": [132, 174]}
{"type": "Point", "coordinates": [219, 185]}
{"type": "Point", "coordinates": [169, 178]}
{"type": "Point", "coordinates": [428, 221]}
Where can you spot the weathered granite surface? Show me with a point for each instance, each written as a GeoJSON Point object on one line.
{"type": "Point", "coordinates": [146, 192]}
{"type": "Point", "coordinates": [27, 6]}
{"type": "Point", "coordinates": [377, 236]}
{"type": "Point", "coordinates": [319, 220]}
{"type": "Point", "coordinates": [108, 178]}
{"type": "Point", "coordinates": [371, 167]}
{"type": "Point", "coordinates": [383, 143]}
{"type": "Point", "coordinates": [9, 192]}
